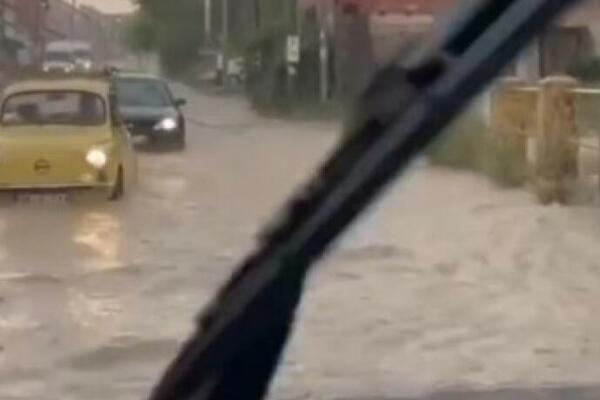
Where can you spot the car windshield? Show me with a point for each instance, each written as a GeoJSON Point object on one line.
{"type": "Point", "coordinates": [59, 56]}
{"type": "Point", "coordinates": [475, 276]}
{"type": "Point", "coordinates": [54, 108]}
{"type": "Point", "coordinates": [82, 54]}
{"type": "Point", "coordinates": [142, 93]}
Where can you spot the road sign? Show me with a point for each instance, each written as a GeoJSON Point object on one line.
{"type": "Point", "coordinates": [293, 49]}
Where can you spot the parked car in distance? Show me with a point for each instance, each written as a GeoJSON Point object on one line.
{"type": "Point", "coordinates": [67, 56]}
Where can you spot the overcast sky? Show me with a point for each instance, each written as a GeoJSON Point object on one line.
{"type": "Point", "coordinates": [112, 6]}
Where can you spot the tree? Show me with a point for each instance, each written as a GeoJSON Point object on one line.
{"type": "Point", "coordinates": [140, 35]}
{"type": "Point", "coordinates": [173, 28]}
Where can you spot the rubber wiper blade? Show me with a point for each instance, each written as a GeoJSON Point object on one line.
{"type": "Point", "coordinates": [240, 337]}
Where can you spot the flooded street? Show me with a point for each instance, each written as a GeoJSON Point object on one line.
{"type": "Point", "coordinates": [449, 282]}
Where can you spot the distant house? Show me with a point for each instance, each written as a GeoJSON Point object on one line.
{"type": "Point", "coordinates": [392, 22]}
{"type": "Point", "coordinates": [365, 34]}
{"type": "Point", "coordinates": [574, 37]}
{"type": "Point", "coordinates": [36, 25]}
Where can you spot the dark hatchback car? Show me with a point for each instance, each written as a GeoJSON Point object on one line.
{"type": "Point", "coordinates": [149, 109]}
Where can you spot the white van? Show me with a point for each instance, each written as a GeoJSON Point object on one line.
{"type": "Point", "coordinates": [67, 56]}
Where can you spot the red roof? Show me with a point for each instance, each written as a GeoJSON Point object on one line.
{"type": "Point", "coordinates": [390, 6]}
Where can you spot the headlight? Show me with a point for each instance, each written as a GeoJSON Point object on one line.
{"type": "Point", "coordinates": [46, 68]}
{"type": "Point", "coordinates": [167, 124]}
{"type": "Point", "coordinates": [70, 68]}
{"type": "Point", "coordinates": [97, 158]}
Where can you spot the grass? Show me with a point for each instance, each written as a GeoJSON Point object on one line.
{"type": "Point", "coordinates": [468, 145]}
{"type": "Point", "coordinates": [588, 118]}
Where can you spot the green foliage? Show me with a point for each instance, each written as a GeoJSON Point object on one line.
{"type": "Point", "coordinates": [173, 28]}
{"type": "Point", "coordinates": [469, 146]}
{"type": "Point", "coordinates": [587, 70]}
{"type": "Point", "coordinates": [140, 35]}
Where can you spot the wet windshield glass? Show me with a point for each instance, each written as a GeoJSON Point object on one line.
{"type": "Point", "coordinates": [142, 93]}
{"type": "Point", "coordinates": [477, 271]}
{"type": "Point", "coordinates": [54, 108]}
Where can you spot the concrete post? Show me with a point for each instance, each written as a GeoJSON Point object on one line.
{"type": "Point", "coordinates": [557, 147]}
{"type": "Point", "coordinates": [511, 117]}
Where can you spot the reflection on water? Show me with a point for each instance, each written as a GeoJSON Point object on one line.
{"type": "Point", "coordinates": [43, 240]}
{"type": "Point", "coordinates": [18, 322]}
{"type": "Point", "coordinates": [100, 232]}
{"type": "Point", "coordinates": [95, 313]}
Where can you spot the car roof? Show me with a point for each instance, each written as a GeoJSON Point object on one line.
{"type": "Point", "coordinates": [99, 86]}
{"type": "Point", "coordinates": [138, 75]}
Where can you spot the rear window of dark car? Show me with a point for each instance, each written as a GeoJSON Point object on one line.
{"type": "Point", "coordinates": [137, 92]}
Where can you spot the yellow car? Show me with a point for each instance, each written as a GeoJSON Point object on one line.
{"type": "Point", "coordinates": [64, 134]}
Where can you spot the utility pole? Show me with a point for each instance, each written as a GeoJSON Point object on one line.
{"type": "Point", "coordinates": [326, 22]}
{"type": "Point", "coordinates": [225, 41]}
{"type": "Point", "coordinates": [293, 48]}
{"type": "Point", "coordinates": [324, 63]}
{"type": "Point", "coordinates": [73, 18]}
{"type": "Point", "coordinates": [42, 8]}
{"type": "Point", "coordinates": [207, 21]}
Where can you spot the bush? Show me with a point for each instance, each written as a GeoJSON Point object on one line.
{"type": "Point", "coordinates": [586, 70]}
{"type": "Point", "coordinates": [468, 145]}
{"type": "Point", "coordinates": [172, 28]}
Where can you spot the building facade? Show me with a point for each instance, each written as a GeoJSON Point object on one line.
{"type": "Point", "coordinates": [10, 41]}
{"type": "Point", "coordinates": [39, 21]}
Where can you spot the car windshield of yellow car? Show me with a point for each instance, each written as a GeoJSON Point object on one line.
{"type": "Point", "coordinates": [54, 108]}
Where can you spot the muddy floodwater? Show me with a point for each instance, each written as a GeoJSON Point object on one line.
{"type": "Point", "coordinates": [449, 282]}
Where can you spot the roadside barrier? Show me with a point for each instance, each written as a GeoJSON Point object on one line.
{"type": "Point", "coordinates": [552, 127]}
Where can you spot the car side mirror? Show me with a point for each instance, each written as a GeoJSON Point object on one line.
{"type": "Point", "coordinates": [180, 102]}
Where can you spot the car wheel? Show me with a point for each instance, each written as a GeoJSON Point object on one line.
{"type": "Point", "coordinates": [118, 189]}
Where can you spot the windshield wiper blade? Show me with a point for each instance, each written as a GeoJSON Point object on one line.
{"type": "Point", "coordinates": [241, 336]}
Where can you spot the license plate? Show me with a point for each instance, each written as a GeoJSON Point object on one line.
{"type": "Point", "coordinates": [44, 198]}
{"type": "Point", "coordinates": [139, 140]}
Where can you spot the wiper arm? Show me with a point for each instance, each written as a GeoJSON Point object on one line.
{"type": "Point", "coordinates": [240, 338]}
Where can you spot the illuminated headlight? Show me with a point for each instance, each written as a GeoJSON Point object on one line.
{"type": "Point", "coordinates": [97, 158]}
{"type": "Point", "coordinates": [167, 124]}
{"type": "Point", "coordinates": [46, 68]}
{"type": "Point", "coordinates": [87, 65]}
{"type": "Point", "coordinates": [70, 68]}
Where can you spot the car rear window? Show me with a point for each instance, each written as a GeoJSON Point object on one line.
{"type": "Point", "coordinates": [54, 108]}
{"type": "Point", "coordinates": [142, 93]}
